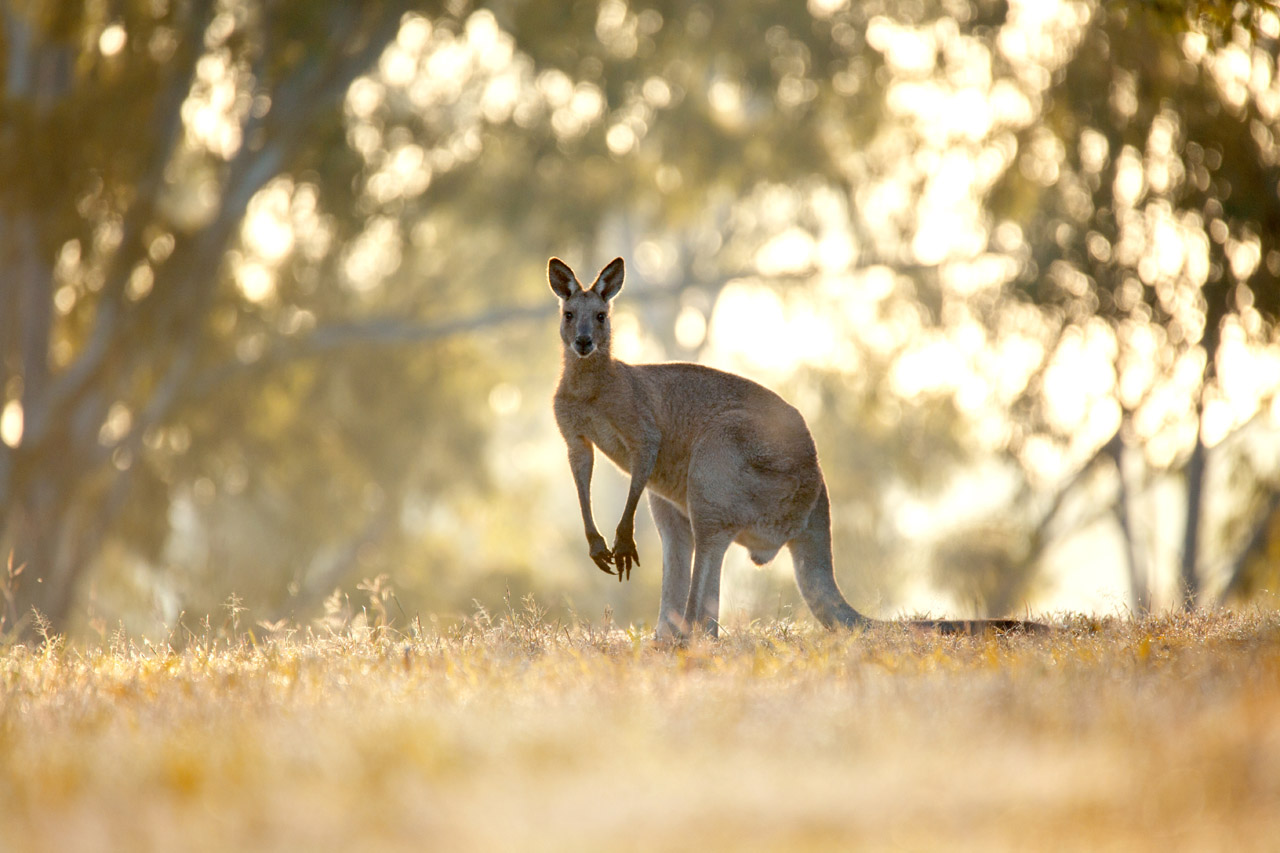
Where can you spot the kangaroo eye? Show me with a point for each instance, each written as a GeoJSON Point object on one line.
{"type": "Point", "coordinates": [600, 317]}
{"type": "Point", "coordinates": [568, 315]}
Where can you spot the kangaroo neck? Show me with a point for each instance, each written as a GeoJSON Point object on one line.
{"type": "Point", "coordinates": [585, 377]}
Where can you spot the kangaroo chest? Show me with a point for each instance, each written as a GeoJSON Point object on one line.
{"type": "Point", "coordinates": [606, 418]}
{"type": "Point", "coordinates": [602, 432]}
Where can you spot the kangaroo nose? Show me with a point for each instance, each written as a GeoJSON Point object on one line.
{"type": "Point", "coordinates": [583, 344]}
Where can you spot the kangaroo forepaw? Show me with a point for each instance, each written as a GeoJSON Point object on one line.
{"type": "Point", "coordinates": [604, 562]}
{"type": "Point", "coordinates": [624, 555]}
{"type": "Point", "coordinates": [600, 554]}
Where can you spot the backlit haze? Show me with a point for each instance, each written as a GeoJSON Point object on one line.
{"type": "Point", "coordinates": [1017, 264]}
{"type": "Point", "coordinates": [917, 201]}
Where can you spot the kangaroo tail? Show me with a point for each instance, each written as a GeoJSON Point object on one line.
{"type": "Point", "coordinates": [980, 626]}
{"type": "Point", "coordinates": [815, 575]}
{"type": "Point", "coordinates": [811, 553]}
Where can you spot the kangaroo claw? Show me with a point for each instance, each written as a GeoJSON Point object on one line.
{"type": "Point", "coordinates": [603, 560]}
{"type": "Point", "coordinates": [625, 556]}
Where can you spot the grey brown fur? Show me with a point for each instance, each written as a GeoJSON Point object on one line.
{"type": "Point", "coordinates": [724, 459]}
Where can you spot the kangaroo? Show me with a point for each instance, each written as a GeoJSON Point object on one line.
{"type": "Point", "coordinates": [724, 460]}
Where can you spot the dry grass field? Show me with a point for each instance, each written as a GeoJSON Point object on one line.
{"type": "Point", "coordinates": [520, 733]}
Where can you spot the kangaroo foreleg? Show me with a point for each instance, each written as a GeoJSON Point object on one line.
{"type": "Point", "coordinates": [643, 458]}
{"type": "Point", "coordinates": [581, 461]}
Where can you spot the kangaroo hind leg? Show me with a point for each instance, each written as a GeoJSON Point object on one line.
{"type": "Point", "coordinates": [702, 612]}
{"type": "Point", "coordinates": [677, 554]}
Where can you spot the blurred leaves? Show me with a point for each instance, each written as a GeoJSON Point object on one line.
{"type": "Point", "coordinates": [266, 262]}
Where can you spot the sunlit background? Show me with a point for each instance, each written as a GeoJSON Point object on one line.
{"type": "Point", "coordinates": [276, 333]}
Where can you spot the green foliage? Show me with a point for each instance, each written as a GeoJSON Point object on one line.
{"type": "Point", "coordinates": [266, 265]}
{"type": "Point", "coordinates": [1131, 88]}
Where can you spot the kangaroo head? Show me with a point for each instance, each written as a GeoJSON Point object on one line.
{"type": "Point", "coordinates": [584, 311]}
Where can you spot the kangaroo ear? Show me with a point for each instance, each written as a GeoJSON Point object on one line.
{"type": "Point", "coordinates": [563, 281]}
{"type": "Point", "coordinates": [609, 282]}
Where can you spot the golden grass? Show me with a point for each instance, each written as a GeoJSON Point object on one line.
{"type": "Point", "coordinates": [522, 734]}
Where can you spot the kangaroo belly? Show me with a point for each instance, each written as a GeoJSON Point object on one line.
{"type": "Point", "coordinates": [670, 477]}
{"type": "Point", "coordinates": [670, 473]}
{"type": "Point", "coordinates": [608, 440]}
{"type": "Point", "coordinates": [615, 451]}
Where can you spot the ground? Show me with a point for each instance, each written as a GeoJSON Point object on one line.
{"type": "Point", "coordinates": [523, 733]}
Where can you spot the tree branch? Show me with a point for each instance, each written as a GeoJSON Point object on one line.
{"type": "Point", "coordinates": [65, 388]}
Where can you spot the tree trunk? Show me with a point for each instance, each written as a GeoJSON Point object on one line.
{"type": "Point", "coordinates": [1188, 576]}
{"type": "Point", "coordinates": [1139, 585]}
{"type": "Point", "coordinates": [59, 489]}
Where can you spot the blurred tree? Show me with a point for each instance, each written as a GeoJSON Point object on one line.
{"type": "Point", "coordinates": [1147, 198]}
{"type": "Point", "coordinates": [209, 204]}
{"type": "Point", "coordinates": [947, 209]}
{"type": "Point", "coordinates": [132, 141]}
